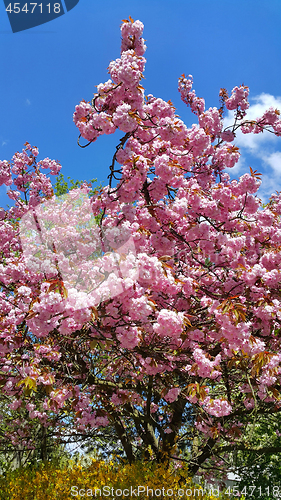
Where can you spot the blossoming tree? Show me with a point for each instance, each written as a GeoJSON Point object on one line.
{"type": "Point", "coordinates": [174, 337]}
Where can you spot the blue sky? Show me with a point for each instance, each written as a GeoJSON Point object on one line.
{"type": "Point", "coordinates": [47, 70]}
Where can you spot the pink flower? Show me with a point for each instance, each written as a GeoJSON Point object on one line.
{"type": "Point", "coordinates": [16, 404]}
{"type": "Point", "coordinates": [168, 430]}
{"type": "Point", "coordinates": [129, 338]}
{"type": "Point", "coordinates": [172, 395]}
{"type": "Point", "coordinates": [238, 98]}
{"type": "Point", "coordinates": [169, 323]}
{"type": "Point", "coordinates": [218, 407]}
{"type": "Point", "coordinates": [211, 121]}
{"type": "Point", "coordinates": [227, 136]}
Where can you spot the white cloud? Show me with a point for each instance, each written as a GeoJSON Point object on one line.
{"type": "Point", "coordinates": [27, 102]}
{"type": "Point", "coordinates": [271, 178]}
{"type": "Point", "coordinates": [262, 151]}
{"type": "Point", "coordinates": [263, 102]}
{"type": "Point", "coordinates": [274, 161]}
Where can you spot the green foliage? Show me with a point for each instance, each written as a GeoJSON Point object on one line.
{"type": "Point", "coordinates": [63, 186]}
{"type": "Point", "coordinates": [261, 469]}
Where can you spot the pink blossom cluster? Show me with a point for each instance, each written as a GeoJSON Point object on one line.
{"type": "Point", "coordinates": [211, 121]}
{"type": "Point", "coordinates": [5, 173]}
{"type": "Point", "coordinates": [269, 120]}
{"type": "Point", "coordinates": [132, 37]}
{"type": "Point", "coordinates": [129, 338]}
{"type": "Point", "coordinates": [238, 98]}
{"type": "Point", "coordinates": [128, 69]}
{"type": "Point", "coordinates": [227, 156]}
{"type": "Point", "coordinates": [117, 100]}
{"type": "Point", "coordinates": [217, 407]}
{"type": "Point", "coordinates": [169, 323]}
{"type": "Point", "coordinates": [197, 104]}
{"type": "Point", "coordinates": [172, 395]}
{"type": "Point", "coordinates": [206, 367]}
